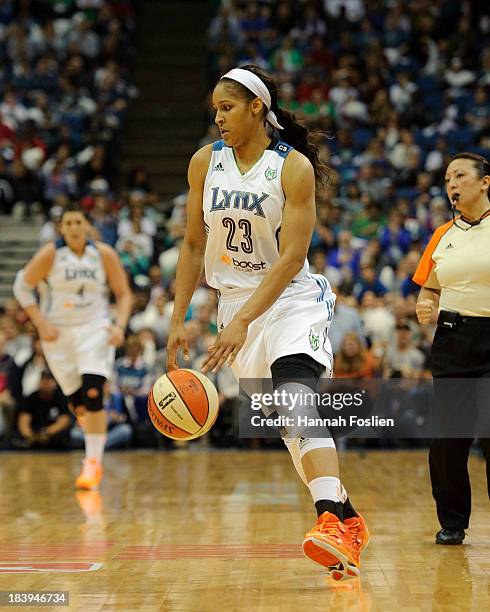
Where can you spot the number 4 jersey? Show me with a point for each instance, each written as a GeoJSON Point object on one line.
{"type": "Point", "coordinates": [75, 290]}
{"type": "Point", "coordinates": [243, 215]}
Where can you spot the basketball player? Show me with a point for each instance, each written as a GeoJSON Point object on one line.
{"type": "Point", "coordinates": [73, 322]}
{"type": "Point", "coordinates": [250, 217]}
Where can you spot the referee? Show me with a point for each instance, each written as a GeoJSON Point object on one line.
{"type": "Point", "coordinates": [454, 273]}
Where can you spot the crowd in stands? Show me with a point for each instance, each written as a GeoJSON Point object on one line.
{"type": "Point", "coordinates": [65, 86]}
{"type": "Point", "coordinates": [392, 89]}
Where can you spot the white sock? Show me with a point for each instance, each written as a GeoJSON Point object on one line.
{"type": "Point", "coordinates": [94, 446]}
{"type": "Point", "coordinates": [326, 487]}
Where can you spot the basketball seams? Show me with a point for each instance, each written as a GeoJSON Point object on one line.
{"type": "Point", "coordinates": [183, 400]}
{"type": "Point", "coordinates": [178, 430]}
{"type": "Point", "coordinates": [165, 387]}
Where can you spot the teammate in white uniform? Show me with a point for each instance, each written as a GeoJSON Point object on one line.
{"type": "Point", "coordinates": [73, 277]}
{"type": "Point", "coordinates": [250, 217]}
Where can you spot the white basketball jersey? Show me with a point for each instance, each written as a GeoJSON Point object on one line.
{"type": "Point", "coordinates": [75, 290]}
{"type": "Point", "coordinates": [243, 215]}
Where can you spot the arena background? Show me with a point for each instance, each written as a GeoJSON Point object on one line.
{"type": "Point", "coordinates": [104, 103]}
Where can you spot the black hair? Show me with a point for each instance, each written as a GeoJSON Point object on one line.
{"type": "Point", "coordinates": [294, 133]}
{"type": "Point", "coordinates": [74, 207]}
{"type": "Point", "coordinates": [480, 163]}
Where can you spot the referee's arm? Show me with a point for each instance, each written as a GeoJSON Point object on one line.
{"type": "Point", "coordinates": [427, 307]}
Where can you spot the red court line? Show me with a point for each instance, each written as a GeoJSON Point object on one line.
{"type": "Point", "coordinates": [208, 551]}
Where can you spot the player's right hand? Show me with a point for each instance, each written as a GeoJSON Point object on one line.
{"type": "Point", "coordinates": [47, 331]}
{"type": "Point", "coordinates": [177, 339]}
{"type": "Point", "coordinates": [425, 310]}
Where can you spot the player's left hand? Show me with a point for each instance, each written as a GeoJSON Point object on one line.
{"type": "Point", "coordinates": [226, 346]}
{"type": "Point", "coordinates": [116, 335]}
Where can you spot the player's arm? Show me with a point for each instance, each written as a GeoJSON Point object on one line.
{"type": "Point", "coordinates": [118, 283]}
{"type": "Point", "coordinates": [36, 270]}
{"type": "Point", "coordinates": [298, 221]}
{"type": "Point", "coordinates": [191, 257]}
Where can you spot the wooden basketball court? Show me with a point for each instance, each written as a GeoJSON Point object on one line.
{"type": "Point", "coordinates": [207, 531]}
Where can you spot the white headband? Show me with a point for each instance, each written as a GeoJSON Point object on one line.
{"type": "Point", "coordinates": [257, 86]}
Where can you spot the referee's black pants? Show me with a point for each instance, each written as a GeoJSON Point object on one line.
{"type": "Point", "coordinates": [462, 407]}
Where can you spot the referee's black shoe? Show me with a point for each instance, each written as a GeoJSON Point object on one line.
{"type": "Point", "coordinates": [450, 536]}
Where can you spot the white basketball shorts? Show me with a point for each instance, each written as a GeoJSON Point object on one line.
{"type": "Point", "coordinates": [80, 349]}
{"type": "Point", "coordinates": [297, 322]}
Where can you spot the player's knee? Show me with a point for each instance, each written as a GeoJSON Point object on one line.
{"type": "Point", "coordinates": [93, 392]}
{"type": "Point", "coordinates": [75, 401]}
{"type": "Point", "coordinates": [296, 368]}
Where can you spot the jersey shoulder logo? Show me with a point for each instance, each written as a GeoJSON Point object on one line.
{"type": "Point", "coordinates": [270, 174]}
{"type": "Point", "coordinates": [218, 167]}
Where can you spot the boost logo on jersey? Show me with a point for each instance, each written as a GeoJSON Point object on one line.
{"type": "Point", "coordinates": [244, 266]}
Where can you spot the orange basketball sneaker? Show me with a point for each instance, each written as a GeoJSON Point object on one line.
{"type": "Point", "coordinates": [359, 532]}
{"type": "Point", "coordinates": [360, 538]}
{"type": "Point", "coordinates": [90, 476]}
{"type": "Point", "coordinates": [330, 543]}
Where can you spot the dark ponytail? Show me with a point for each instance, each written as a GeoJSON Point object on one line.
{"type": "Point", "coordinates": [294, 133]}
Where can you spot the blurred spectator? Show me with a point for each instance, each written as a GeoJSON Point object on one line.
{"type": "Point", "coordinates": [132, 379]}
{"type": "Point", "coordinates": [8, 381]}
{"type": "Point", "coordinates": [401, 152]}
{"type": "Point", "coordinates": [97, 168]}
{"type": "Point", "coordinates": [139, 181]}
{"type": "Point", "coordinates": [17, 339]}
{"type": "Point", "coordinates": [156, 283]}
{"type": "Point", "coordinates": [104, 219]}
{"type": "Point", "coordinates": [345, 255]}
{"type": "Point", "coordinates": [155, 317]}
{"type": "Point", "coordinates": [478, 111]}
{"type": "Point", "coordinates": [137, 210]}
{"type": "Point", "coordinates": [148, 340]}
{"type": "Point", "coordinates": [43, 420]}
{"type": "Point", "coordinates": [369, 221]}
{"type": "Point", "coordinates": [346, 320]}
{"type": "Point", "coordinates": [402, 92]}
{"type": "Point", "coordinates": [378, 322]}
{"type": "Point", "coordinates": [32, 369]}
{"type": "Point", "coordinates": [167, 260]}
{"type": "Point", "coordinates": [50, 231]}
{"type": "Point", "coordinates": [369, 282]}
{"type": "Point", "coordinates": [402, 358]}
{"type": "Point", "coordinates": [457, 76]}
{"type": "Point", "coordinates": [134, 256]}
{"type": "Point", "coordinates": [353, 360]}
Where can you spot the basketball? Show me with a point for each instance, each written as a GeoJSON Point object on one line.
{"type": "Point", "coordinates": [183, 404]}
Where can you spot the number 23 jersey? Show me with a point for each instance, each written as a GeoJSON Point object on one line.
{"type": "Point", "coordinates": [242, 216]}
